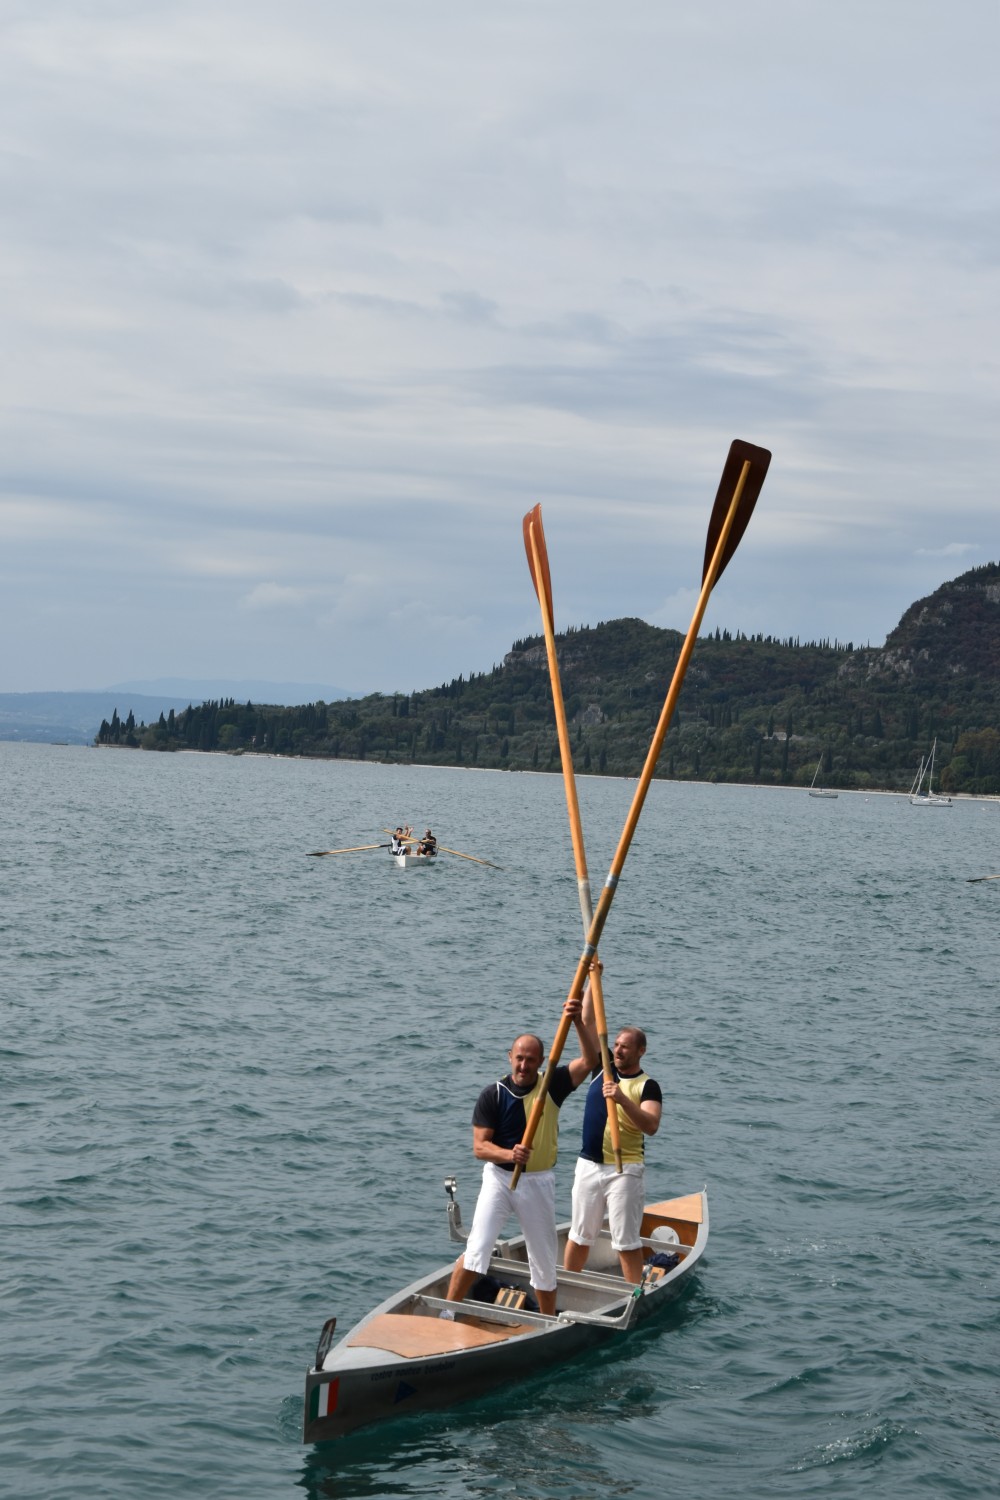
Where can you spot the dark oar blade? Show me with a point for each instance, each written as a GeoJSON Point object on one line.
{"type": "Point", "coordinates": [739, 454]}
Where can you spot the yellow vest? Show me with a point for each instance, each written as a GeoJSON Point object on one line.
{"type": "Point", "coordinates": [632, 1139]}
{"type": "Point", "coordinates": [545, 1146]}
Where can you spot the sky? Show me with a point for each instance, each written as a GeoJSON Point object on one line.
{"type": "Point", "coordinates": [304, 306]}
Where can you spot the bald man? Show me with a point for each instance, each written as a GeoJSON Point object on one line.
{"type": "Point", "coordinates": [498, 1124]}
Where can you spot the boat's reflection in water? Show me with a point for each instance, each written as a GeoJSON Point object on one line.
{"type": "Point", "coordinates": [542, 1430]}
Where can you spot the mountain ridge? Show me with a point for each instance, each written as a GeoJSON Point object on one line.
{"type": "Point", "coordinates": [753, 708]}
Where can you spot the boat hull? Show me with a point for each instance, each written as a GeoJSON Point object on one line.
{"type": "Point", "coordinates": [413, 861]}
{"type": "Point", "coordinates": [360, 1394]}
{"type": "Point", "coordinates": [403, 1357]}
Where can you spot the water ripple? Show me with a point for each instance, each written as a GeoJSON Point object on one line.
{"type": "Point", "coordinates": [233, 1079]}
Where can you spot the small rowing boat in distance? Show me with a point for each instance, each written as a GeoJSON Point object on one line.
{"type": "Point", "coordinates": [405, 1357]}
{"type": "Point", "coordinates": [413, 846]}
{"type": "Point", "coordinates": [413, 861]}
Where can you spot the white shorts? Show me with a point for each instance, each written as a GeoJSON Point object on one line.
{"type": "Point", "coordinates": [599, 1188]}
{"type": "Point", "coordinates": [534, 1202]}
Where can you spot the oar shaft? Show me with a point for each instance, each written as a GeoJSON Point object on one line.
{"type": "Point", "coordinates": [538, 558]}
{"type": "Point", "coordinates": [458, 853]}
{"type": "Point", "coordinates": [355, 849]}
{"type": "Point", "coordinates": [638, 800]}
{"type": "Point", "coordinates": [555, 1053]}
{"type": "Point", "coordinates": [667, 713]}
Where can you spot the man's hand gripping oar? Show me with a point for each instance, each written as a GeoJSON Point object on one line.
{"type": "Point", "coordinates": [741, 483]}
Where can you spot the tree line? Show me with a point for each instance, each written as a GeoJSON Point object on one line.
{"type": "Point", "coordinates": [754, 709]}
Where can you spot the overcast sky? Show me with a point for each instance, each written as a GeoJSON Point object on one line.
{"type": "Point", "coordinates": [304, 305]}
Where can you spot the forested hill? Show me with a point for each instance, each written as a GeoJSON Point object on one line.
{"type": "Point", "coordinates": [753, 708]}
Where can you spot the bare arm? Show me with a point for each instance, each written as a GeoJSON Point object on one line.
{"type": "Point", "coordinates": [644, 1116]}
{"type": "Point", "coordinates": [483, 1149]}
{"type": "Point", "coordinates": [587, 1014]}
{"type": "Point", "coordinates": [589, 1057]}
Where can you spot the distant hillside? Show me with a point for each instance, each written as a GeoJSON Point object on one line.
{"type": "Point", "coordinates": [72, 718]}
{"type": "Point", "coordinates": [753, 708]}
{"type": "Point", "coordinates": [75, 718]}
{"type": "Point", "coordinates": [197, 689]}
{"type": "Point", "coordinates": [950, 639]}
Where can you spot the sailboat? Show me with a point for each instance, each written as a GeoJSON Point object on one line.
{"type": "Point", "coordinates": [930, 798]}
{"type": "Point", "coordinates": [819, 791]}
{"type": "Point", "coordinates": [918, 778]}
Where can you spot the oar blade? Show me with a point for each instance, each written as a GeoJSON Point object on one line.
{"type": "Point", "coordinates": [540, 576]}
{"type": "Point", "coordinates": [739, 454]}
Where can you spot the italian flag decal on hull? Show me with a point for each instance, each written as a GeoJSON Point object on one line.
{"type": "Point", "coordinates": [323, 1401]}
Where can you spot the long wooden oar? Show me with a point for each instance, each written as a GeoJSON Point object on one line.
{"type": "Point", "coordinates": [538, 563]}
{"type": "Point", "coordinates": [475, 861]}
{"type": "Point", "coordinates": [355, 849]}
{"type": "Point", "coordinates": [739, 488]}
{"type": "Point", "coordinates": [975, 879]}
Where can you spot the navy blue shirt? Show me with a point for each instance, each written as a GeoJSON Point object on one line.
{"type": "Point", "coordinates": [596, 1142]}
{"type": "Point", "coordinates": [500, 1108]}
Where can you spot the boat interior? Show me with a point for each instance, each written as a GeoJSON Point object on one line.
{"type": "Point", "coordinates": [671, 1226]}
{"type": "Point", "coordinates": [598, 1294]}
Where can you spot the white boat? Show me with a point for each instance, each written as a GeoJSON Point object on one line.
{"type": "Point", "coordinates": [819, 791]}
{"type": "Point", "coordinates": [404, 1357]}
{"type": "Point", "coordinates": [412, 861]}
{"type": "Point", "coordinates": [930, 798]}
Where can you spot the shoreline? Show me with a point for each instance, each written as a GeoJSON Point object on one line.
{"type": "Point", "coordinates": [347, 760]}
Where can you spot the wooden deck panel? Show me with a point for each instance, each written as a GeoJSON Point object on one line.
{"type": "Point", "coordinates": [682, 1214]}
{"type": "Point", "coordinates": [688, 1208]}
{"type": "Point", "coordinates": [414, 1337]}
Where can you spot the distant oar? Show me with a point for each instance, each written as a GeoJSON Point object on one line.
{"type": "Point", "coordinates": [356, 849]}
{"type": "Point", "coordinates": [475, 861]}
{"type": "Point", "coordinates": [538, 563]}
{"type": "Point", "coordinates": [975, 879]}
{"type": "Point", "coordinates": [740, 485]}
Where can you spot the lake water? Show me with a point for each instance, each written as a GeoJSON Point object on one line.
{"type": "Point", "coordinates": [233, 1078]}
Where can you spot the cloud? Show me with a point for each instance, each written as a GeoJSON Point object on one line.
{"type": "Point", "coordinates": [274, 596]}
{"type": "Point", "coordinates": [951, 549]}
{"type": "Point", "coordinates": [304, 307]}
{"type": "Point", "coordinates": [674, 613]}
